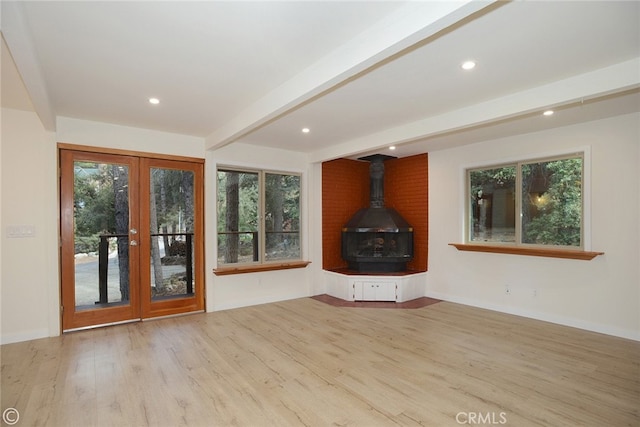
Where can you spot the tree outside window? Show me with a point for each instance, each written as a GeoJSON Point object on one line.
{"type": "Point", "coordinates": [492, 204]}
{"type": "Point", "coordinates": [258, 216]}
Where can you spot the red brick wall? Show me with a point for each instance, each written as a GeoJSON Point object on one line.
{"type": "Point", "coordinates": [345, 189]}
{"type": "Point", "coordinates": [406, 189]}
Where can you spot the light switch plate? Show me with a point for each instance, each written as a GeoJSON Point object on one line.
{"type": "Point", "coordinates": [21, 231]}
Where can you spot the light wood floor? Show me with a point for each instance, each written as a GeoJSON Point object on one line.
{"type": "Point", "coordinates": [306, 363]}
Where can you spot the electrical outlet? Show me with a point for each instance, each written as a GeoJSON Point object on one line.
{"type": "Point", "coordinates": [534, 292]}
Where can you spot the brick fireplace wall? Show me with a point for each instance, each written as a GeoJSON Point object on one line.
{"type": "Point", "coordinates": [345, 189]}
{"type": "Point", "coordinates": [406, 189]}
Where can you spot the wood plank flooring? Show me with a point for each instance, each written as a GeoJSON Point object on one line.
{"type": "Point", "coordinates": [306, 363]}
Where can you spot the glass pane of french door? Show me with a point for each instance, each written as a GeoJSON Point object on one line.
{"type": "Point", "coordinates": [171, 271]}
{"type": "Point", "coordinates": [101, 234]}
{"type": "Point", "coordinates": [171, 226]}
{"type": "Point", "coordinates": [99, 239]}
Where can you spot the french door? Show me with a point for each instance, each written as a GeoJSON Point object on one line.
{"type": "Point", "coordinates": [131, 237]}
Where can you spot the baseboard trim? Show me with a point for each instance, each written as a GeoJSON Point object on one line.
{"type": "Point", "coordinates": [24, 336]}
{"type": "Point", "coordinates": [545, 317]}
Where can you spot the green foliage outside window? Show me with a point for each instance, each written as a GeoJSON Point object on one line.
{"type": "Point", "coordinates": [492, 204]}
{"type": "Point", "coordinates": [94, 207]}
{"type": "Point", "coordinates": [552, 202]}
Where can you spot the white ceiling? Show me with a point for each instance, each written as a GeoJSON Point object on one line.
{"type": "Point", "coordinates": [361, 75]}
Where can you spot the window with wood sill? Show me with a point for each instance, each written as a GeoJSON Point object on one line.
{"type": "Point", "coordinates": [258, 221]}
{"type": "Point", "coordinates": [530, 207]}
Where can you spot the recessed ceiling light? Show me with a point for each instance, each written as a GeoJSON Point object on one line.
{"type": "Point", "coordinates": [154, 101]}
{"type": "Point", "coordinates": [468, 65]}
{"type": "Point", "coordinates": [306, 130]}
{"type": "Point", "coordinates": [393, 147]}
{"type": "Point", "coordinates": [548, 113]}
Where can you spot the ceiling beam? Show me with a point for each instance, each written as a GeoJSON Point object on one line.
{"type": "Point", "coordinates": [410, 25]}
{"type": "Point", "coordinates": [18, 39]}
{"type": "Point", "coordinates": [614, 79]}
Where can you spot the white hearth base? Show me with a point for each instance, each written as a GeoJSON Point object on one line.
{"type": "Point", "coordinates": [367, 287]}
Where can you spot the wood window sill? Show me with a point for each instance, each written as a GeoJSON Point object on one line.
{"type": "Point", "coordinates": [224, 271]}
{"type": "Point", "coordinates": [517, 250]}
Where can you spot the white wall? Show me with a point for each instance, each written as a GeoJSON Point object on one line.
{"type": "Point", "coordinates": [318, 277]}
{"type": "Point", "coordinates": [96, 134]}
{"type": "Point", "coordinates": [231, 291]}
{"type": "Point", "coordinates": [29, 281]}
{"type": "Point", "coordinates": [602, 295]}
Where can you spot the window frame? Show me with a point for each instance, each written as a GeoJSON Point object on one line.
{"type": "Point", "coordinates": [262, 264]}
{"type": "Point", "coordinates": [518, 246]}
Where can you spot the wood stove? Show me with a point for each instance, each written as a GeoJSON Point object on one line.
{"type": "Point", "coordinates": [377, 239]}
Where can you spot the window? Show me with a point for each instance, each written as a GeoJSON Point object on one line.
{"type": "Point", "coordinates": [258, 217]}
{"type": "Point", "coordinates": [537, 202]}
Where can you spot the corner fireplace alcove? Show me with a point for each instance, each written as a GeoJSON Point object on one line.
{"type": "Point", "coordinates": [377, 239]}
{"type": "Point", "coordinates": [374, 253]}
